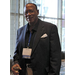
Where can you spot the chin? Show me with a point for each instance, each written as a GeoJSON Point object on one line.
{"type": "Point", "coordinates": [31, 22]}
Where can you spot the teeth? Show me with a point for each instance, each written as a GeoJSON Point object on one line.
{"type": "Point", "coordinates": [29, 18]}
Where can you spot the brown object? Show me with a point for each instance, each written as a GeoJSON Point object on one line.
{"type": "Point", "coordinates": [16, 68]}
{"type": "Point", "coordinates": [29, 71]}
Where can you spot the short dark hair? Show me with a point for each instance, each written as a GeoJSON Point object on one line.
{"type": "Point", "coordinates": [33, 4]}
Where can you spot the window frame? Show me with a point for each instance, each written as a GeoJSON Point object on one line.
{"type": "Point", "coordinates": [59, 20]}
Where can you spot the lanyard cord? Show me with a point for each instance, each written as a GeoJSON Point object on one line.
{"type": "Point", "coordinates": [29, 39]}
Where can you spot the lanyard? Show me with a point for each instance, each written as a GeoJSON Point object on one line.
{"type": "Point", "coordinates": [29, 39]}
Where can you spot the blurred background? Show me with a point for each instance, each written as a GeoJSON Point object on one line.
{"type": "Point", "coordinates": [52, 11]}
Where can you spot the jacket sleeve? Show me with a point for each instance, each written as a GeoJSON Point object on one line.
{"type": "Point", "coordinates": [55, 52]}
{"type": "Point", "coordinates": [16, 53]}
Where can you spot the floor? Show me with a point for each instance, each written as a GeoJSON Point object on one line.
{"type": "Point", "coordinates": [62, 70]}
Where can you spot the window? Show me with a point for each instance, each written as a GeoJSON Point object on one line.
{"type": "Point", "coordinates": [16, 21]}
{"type": "Point", "coordinates": [51, 11]}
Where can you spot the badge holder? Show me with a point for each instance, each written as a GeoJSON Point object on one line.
{"type": "Point", "coordinates": [27, 51]}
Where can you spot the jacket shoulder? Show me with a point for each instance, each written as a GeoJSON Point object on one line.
{"type": "Point", "coordinates": [21, 29]}
{"type": "Point", "coordinates": [48, 24]}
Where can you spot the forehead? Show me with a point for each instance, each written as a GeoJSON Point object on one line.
{"type": "Point", "coordinates": [30, 6]}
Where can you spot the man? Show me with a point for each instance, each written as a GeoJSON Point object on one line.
{"type": "Point", "coordinates": [37, 46]}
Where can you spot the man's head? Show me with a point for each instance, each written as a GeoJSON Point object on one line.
{"type": "Point", "coordinates": [31, 13]}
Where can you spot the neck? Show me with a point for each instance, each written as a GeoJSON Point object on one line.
{"type": "Point", "coordinates": [32, 24]}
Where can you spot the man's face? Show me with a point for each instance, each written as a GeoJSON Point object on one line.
{"type": "Point", "coordinates": [31, 13]}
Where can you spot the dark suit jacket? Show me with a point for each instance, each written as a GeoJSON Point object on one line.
{"type": "Point", "coordinates": [46, 52]}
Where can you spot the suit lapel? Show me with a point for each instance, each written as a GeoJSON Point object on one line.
{"type": "Point", "coordinates": [23, 35]}
{"type": "Point", "coordinates": [37, 36]}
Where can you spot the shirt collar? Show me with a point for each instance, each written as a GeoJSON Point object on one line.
{"type": "Point", "coordinates": [36, 26]}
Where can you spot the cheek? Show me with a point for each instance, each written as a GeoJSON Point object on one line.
{"type": "Point", "coordinates": [34, 16]}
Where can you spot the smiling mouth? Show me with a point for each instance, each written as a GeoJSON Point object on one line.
{"type": "Point", "coordinates": [29, 18]}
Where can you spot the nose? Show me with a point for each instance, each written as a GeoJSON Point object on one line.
{"type": "Point", "coordinates": [28, 13]}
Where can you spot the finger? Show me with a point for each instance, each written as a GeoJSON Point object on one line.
{"type": "Point", "coordinates": [19, 66]}
{"type": "Point", "coordinates": [16, 67]}
{"type": "Point", "coordinates": [15, 72]}
{"type": "Point", "coordinates": [13, 68]}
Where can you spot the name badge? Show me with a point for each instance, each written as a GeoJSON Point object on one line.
{"type": "Point", "coordinates": [26, 53]}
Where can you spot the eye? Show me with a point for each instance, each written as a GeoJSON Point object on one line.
{"type": "Point", "coordinates": [30, 11]}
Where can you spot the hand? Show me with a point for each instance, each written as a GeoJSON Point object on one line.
{"type": "Point", "coordinates": [15, 68]}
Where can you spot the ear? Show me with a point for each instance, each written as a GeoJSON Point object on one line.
{"type": "Point", "coordinates": [37, 12]}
